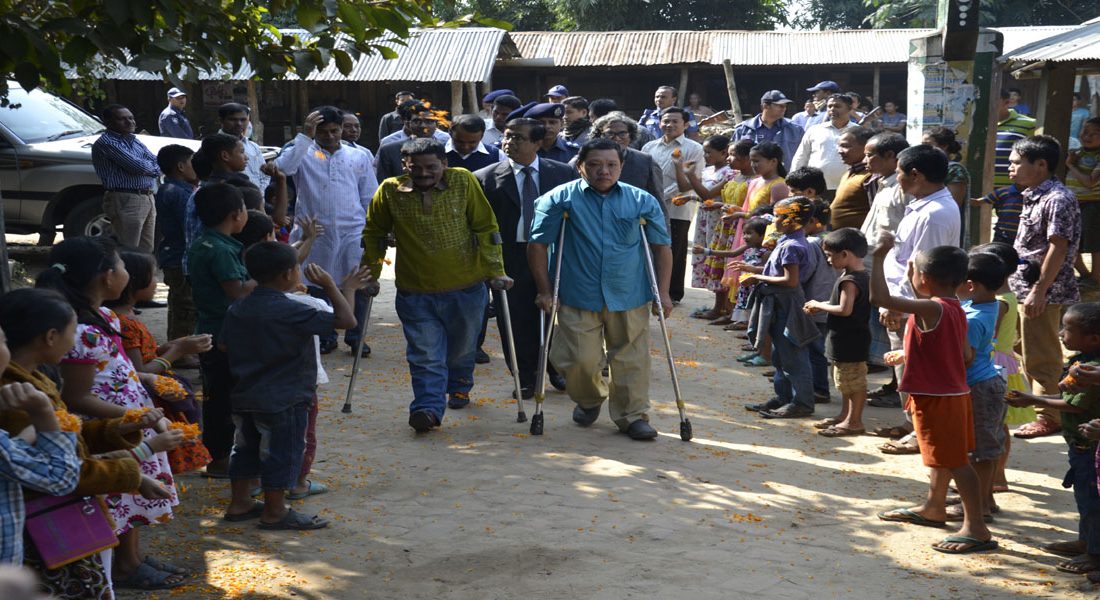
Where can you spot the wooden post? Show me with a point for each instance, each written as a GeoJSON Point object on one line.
{"type": "Point", "coordinates": [731, 88]}
{"type": "Point", "coordinates": [683, 89]}
{"type": "Point", "coordinates": [303, 103]}
{"type": "Point", "coordinates": [471, 95]}
{"type": "Point", "coordinates": [1055, 97]}
{"type": "Point", "coordinates": [456, 98]}
{"type": "Point", "coordinates": [254, 106]}
{"type": "Point", "coordinates": [875, 86]}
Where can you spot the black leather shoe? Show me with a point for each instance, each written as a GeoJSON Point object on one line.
{"type": "Point", "coordinates": [482, 357]}
{"type": "Point", "coordinates": [458, 400]}
{"type": "Point", "coordinates": [822, 398]}
{"type": "Point", "coordinates": [363, 352]}
{"type": "Point", "coordinates": [772, 404]}
{"type": "Point", "coordinates": [327, 346]}
{"type": "Point", "coordinates": [790, 411]}
{"type": "Point", "coordinates": [525, 392]}
{"type": "Point", "coordinates": [886, 401]}
{"type": "Point", "coordinates": [558, 382]}
{"type": "Point", "coordinates": [151, 304]}
{"type": "Point", "coordinates": [585, 416]}
{"type": "Point", "coordinates": [641, 430]}
{"type": "Point", "coordinates": [423, 421]}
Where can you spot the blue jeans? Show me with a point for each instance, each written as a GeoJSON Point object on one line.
{"type": "Point", "coordinates": [1082, 478]}
{"type": "Point", "coordinates": [819, 365]}
{"type": "Point", "coordinates": [270, 446]}
{"type": "Point", "coordinates": [351, 336]}
{"type": "Point", "coordinates": [441, 332]}
{"type": "Point", "coordinates": [793, 379]}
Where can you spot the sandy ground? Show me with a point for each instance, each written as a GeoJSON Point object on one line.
{"type": "Point", "coordinates": [483, 510]}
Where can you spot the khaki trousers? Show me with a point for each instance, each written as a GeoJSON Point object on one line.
{"type": "Point", "coordinates": [133, 218]}
{"type": "Point", "coordinates": [1042, 352]}
{"type": "Point", "coordinates": [578, 353]}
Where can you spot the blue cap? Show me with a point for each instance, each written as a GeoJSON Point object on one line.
{"type": "Point", "coordinates": [176, 93]}
{"type": "Point", "coordinates": [774, 97]}
{"type": "Point", "coordinates": [558, 91]}
{"type": "Point", "coordinates": [546, 110]}
{"type": "Point", "coordinates": [493, 95]}
{"type": "Point", "coordinates": [825, 86]}
{"type": "Point", "coordinates": [521, 111]}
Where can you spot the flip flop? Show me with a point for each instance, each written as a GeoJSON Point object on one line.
{"type": "Point", "coordinates": [893, 433]}
{"type": "Point", "coordinates": [955, 514]}
{"type": "Point", "coordinates": [749, 355]}
{"type": "Point", "coordinates": [826, 423]}
{"type": "Point", "coordinates": [252, 513]}
{"type": "Point", "coordinates": [295, 521]}
{"type": "Point", "coordinates": [166, 567]}
{"type": "Point", "coordinates": [975, 545]}
{"type": "Point", "coordinates": [757, 361]}
{"type": "Point", "coordinates": [904, 515]}
{"type": "Point", "coordinates": [898, 449]}
{"type": "Point", "coordinates": [147, 578]}
{"type": "Point", "coordinates": [312, 489]}
{"type": "Point", "coordinates": [1036, 429]}
{"type": "Point", "coordinates": [835, 431]}
{"type": "Point", "coordinates": [1070, 549]}
{"type": "Point", "coordinates": [1079, 565]}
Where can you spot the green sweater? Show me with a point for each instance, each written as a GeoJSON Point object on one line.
{"type": "Point", "coordinates": [445, 237]}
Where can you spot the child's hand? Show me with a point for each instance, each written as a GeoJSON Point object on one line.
{"type": "Point", "coordinates": [894, 358]}
{"type": "Point", "coordinates": [1091, 430]}
{"type": "Point", "coordinates": [311, 229]}
{"type": "Point", "coordinates": [811, 307]}
{"type": "Point", "coordinates": [360, 279]}
{"type": "Point", "coordinates": [196, 344]}
{"type": "Point", "coordinates": [147, 421]}
{"type": "Point", "coordinates": [1071, 158]}
{"type": "Point", "coordinates": [697, 249]}
{"type": "Point", "coordinates": [318, 276]}
{"type": "Point", "coordinates": [24, 396]}
{"type": "Point", "coordinates": [151, 489]}
{"type": "Point", "coordinates": [713, 205]}
{"type": "Point", "coordinates": [1018, 399]}
{"type": "Point", "coordinates": [1086, 375]}
{"type": "Point", "coordinates": [749, 278]}
{"type": "Point", "coordinates": [885, 243]}
{"type": "Point", "coordinates": [165, 440]}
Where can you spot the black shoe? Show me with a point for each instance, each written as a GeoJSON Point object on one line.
{"type": "Point", "coordinates": [423, 421]}
{"type": "Point", "coordinates": [525, 392]}
{"type": "Point", "coordinates": [558, 382]}
{"type": "Point", "coordinates": [491, 311]}
{"type": "Point", "coordinates": [883, 390]}
{"type": "Point", "coordinates": [482, 357]}
{"type": "Point", "coordinates": [458, 400]}
{"type": "Point", "coordinates": [641, 430]}
{"type": "Point", "coordinates": [820, 398]}
{"type": "Point", "coordinates": [871, 369]}
{"type": "Point", "coordinates": [150, 304]}
{"type": "Point", "coordinates": [790, 411]}
{"type": "Point", "coordinates": [886, 401]}
{"type": "Point", "coordinates": [585, 416]}
{"type": "Point", "coordinates": [327, 346]}
{"type": "Point", "coordinates": [772, 404]}
{"type": "Point", "coordinates": [363, 352]}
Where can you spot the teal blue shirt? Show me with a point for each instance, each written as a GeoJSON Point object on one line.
{"type": "Point", "coordinates": [981, 326]}
{"type": "Point", "coordinates": [603, 264]}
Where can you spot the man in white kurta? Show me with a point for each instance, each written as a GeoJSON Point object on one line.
{"type": "Point", "coordinates": [335, 185]}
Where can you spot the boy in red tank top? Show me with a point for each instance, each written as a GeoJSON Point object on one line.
{"type": "Point", "coordinates": [935, 354]}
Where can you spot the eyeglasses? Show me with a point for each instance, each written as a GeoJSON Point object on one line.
{"type": "Point", "coordinates": [515, 137]}
{"type": "Point", "coordinates": [419, 121]}
{"type": "Point", "coordinates": [616, 134]}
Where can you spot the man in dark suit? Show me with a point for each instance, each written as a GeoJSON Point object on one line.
{"type": "Point", "coordinates": [512, 187]}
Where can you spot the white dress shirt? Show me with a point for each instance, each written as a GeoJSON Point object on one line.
{"type": "Point", "coordinates": [887, 210]}
{"type": "Point", "coordinates": [492, 136]}
{"type": "Point", "coordinates": [928, 222]}
{"type": "Point", "coordinates": [517, 170]}
{"type": "Point", "coordinates": [400, 136]}
{"type": "Point", "coordinates": [819, 149]}
{"type": "Point", "coordinates": [690, 151]}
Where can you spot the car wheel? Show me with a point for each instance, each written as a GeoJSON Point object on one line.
{"type": "Point", "coordinates": [87, 218]}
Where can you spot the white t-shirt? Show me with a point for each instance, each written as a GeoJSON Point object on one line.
{"type": "Point", "coordinates": [322, 376]}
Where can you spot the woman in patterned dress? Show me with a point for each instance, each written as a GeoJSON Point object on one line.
{"type": "Point", "coordinates": [88, 271]}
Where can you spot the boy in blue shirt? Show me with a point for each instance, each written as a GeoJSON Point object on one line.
{"type": "Point", "coordinates": [171, 202]}
{"type": "Point", "coordinates": [269, 342]}
{"type": "Point", "coordinates": [985, 275]}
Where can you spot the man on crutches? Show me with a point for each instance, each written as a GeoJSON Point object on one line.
{"type": "Point", "coordinates": [604, 289]}
{"type": "Point", "coordinates": [448, 246]}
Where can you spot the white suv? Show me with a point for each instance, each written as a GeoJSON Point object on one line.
{"type": "Point", "coordinates": [46, 174]}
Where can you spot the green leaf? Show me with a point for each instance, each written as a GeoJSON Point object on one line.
{"type": "Point", "coordinates": [27, 75]}
{"type": "Point", "coordinates": [78, 50]}
{"type": "Point", "coordinates": [13, 44]}
{"type": "Point", "coordinates": [353, 21]}
{"type": "Point", "coordinates": [309, 16]}
{"type": "Point", "coordinates": [303, 63]}
{"type": "Point", "coordinates": [343, 61]}
{"type": "Point", "coordinates": [118, 10]}
{"type": "Point", "coordinates": [69, 25]}
{"type": "Point", "coordinates": [387, 52]}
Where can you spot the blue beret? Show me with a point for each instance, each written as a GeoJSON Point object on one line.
{"type": "Point", "coordinates": [522, 111]}
{"type": "Point", "coordinates": [546, 110]}
{"type": "Point", "coordinates": [493, 95]}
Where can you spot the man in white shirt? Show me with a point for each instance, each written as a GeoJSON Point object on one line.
{"type": "Point", "coordinates": [819, 147]}
{"type": "Point", "coordinates": [234, 121]}
{"type": "Point", "coordinates": [335, 185]}
{"type": "Point", "coordinates": [670, 149]}
{"type": "Point", "coordinates": [417, 121]}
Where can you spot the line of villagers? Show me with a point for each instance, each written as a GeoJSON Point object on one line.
{"type": "Point", "coordinates": [91, 406]}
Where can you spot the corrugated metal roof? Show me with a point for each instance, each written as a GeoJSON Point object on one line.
{"type": "Point", "coordinates": [463, 54]}
{"type": "Point", "coordinates": [1076, 43]}
{"type": "Point", "coordinates": [743, 48]}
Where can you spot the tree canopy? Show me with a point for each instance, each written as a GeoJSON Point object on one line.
{"type": "Point", "coordinates": [900, 14]}
{"type": "Point", "coordinates": [41, 40]}
{"type": "Point", "coordinates": [615, 15]}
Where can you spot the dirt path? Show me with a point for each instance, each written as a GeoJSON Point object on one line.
{"type": "Point", "coordinates": [481, 510]}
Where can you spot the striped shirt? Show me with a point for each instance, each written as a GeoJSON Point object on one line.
{"type": "Point", "coordinates": [50, 466]}
{"type": "Point", "coordinates": [1007, 202]}
{"type": "Point", "coordinates": [1014, 128]}
{"type": "Point", "coordinates": [1088, 162]}
{"type": "Point", "coordinates": [122, 162]}
{"type": "Point", "coordinates": [336, 189]}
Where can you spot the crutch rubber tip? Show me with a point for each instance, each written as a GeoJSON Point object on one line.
{"type": "Point", "coordinates": [536, 424]}
{"type": "Point", "coordinates": [346, 410]}
{"type": "Point", "coordinates": [521, 417]}
{"type": "Point", "coordinates": [685, 430]}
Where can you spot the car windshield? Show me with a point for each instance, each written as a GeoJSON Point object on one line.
{"type": "Point", "coordinates": [39, 116]}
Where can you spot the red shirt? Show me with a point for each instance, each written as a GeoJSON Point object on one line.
{"type": "Point", "coordinates": [934, 362]}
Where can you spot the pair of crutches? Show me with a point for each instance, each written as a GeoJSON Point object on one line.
{"type": "Point", "coordinates": [546, 333]}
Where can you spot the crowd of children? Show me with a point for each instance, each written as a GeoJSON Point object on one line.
{"type": "Point", "coordinates": [93, 405]}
